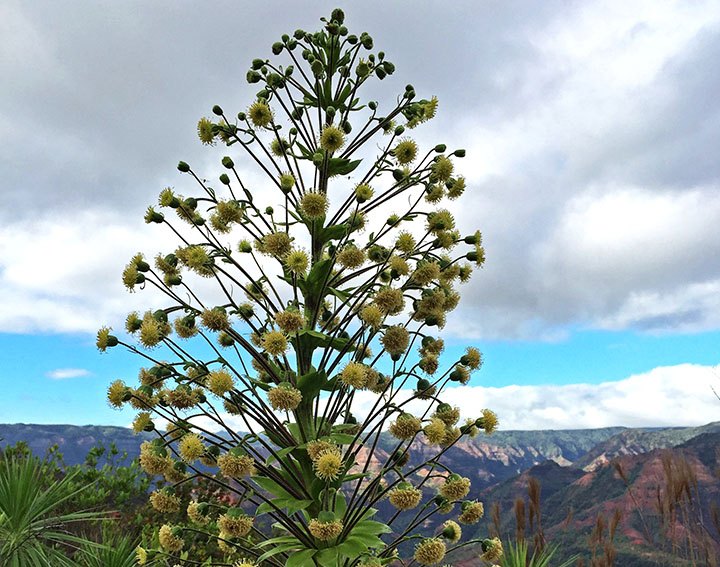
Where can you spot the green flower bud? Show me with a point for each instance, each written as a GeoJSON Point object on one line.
{"type": "Point", "coordinates": [224, 179]}
{"type": "Point", "coordinates": [399, 130]}
{"type": "Point", "coordinates": [352, 39]}
{"type": "Point", "coordinates": [459, 153]}
{"type": "Point", "coordinates": [317, 68]}
{"type": "Point", "coordinates": [338, 16]}
{"type": "Point", "coordinates": [381, 74]}
{"type": "Point", "coordinates": [228, 162]}
{"type": "Point", "coordinates": [440, 148]}
{"type": "Point", "coordinates": [389, 67]}
{"type": "Point", "coordinates": [277, 48]}
{"type": "Point", "coordinates": [372, 105]}
{"type": "Point", "coordinates": [253, 77]}
{"type": "Point", "coordinates": [183, 167]}
{"type": "Point", "coordinates": [217, 110]}
{"type": "Point", "coordinates": [153, 216]}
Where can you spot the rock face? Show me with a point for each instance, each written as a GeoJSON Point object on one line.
{"type": "Point", "coordinates": [638, 441]}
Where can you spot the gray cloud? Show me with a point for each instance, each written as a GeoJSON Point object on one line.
{"type": "Point", "coordinates": [566, 110]}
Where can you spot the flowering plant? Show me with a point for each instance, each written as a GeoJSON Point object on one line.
{"type": "Point", "coordinates": [320, 301]}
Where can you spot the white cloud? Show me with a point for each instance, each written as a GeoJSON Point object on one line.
{"type": "Point", "coordinates": [64, 373]}
{"type": "Point", "coordinates": [679, 395]}
{"type": "Point", "coordinates": [666, 396]}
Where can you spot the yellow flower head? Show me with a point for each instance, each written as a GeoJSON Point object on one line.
{"type": "Point", "coordinates": [430, 551]}
{"type": "Point", "coordinates": [205, 131]}
{"type": "Point", "coordinates": [396, 340]}
{"type": "Point", "coordinates": [220, 382]}
{"type": "Point", "coordinates": [116, 393]}
{"type": "Point", "coordinates": [197, 512]}
{"type": "Point", "coordinates": [405, 242]}
{"type": "Point", "coordinates": [451, 531]}
{"type": "Point", "coordinates": [363, 192]}
{"type": "Point", "coordinates": [435, 431]}
{"type": "Point", "coordinates": [404, 496]}
{"type": "Point", "coordinates": [236, 466]}
{"type": "Point", "coordinates": [406, 151]}
{"type": "Point", "coordinates": [371, 315]}
{"type": "Point", "coordinates": [297, 261]}
{"type": "Point", "coordinates": [276, 244]}
{"type": "Point", "coordinates": [351, 257]}
{"type": "Point", "coordinates": [154, 459]}
{"type": "Point", "coordinates": [290, 321]}
{"type": "Point", "coordinates": [313, 205]}
{"type": "Point", "coordinates": [285, 397]}
{"type": "Point", "coordinates": [191, 447]}
{"type": "Point", "coordinates": [488, 421]}
{"type": "Point", "coordinates": [332, 138]}
{"type": "Point", "coordinates": [455, 487]}
{"type": "Point", "coordinates": [443, 168]}
{"type": "Point", "coordinates": [389, 300]}
{"type": "Point", "coordinates": [405, 426]}
{"type": "Point", "coordinates": [170, 539]}
{"type": "Point", "coordinates": [328, 464]}
{"type": "Point", "coordinates": [492, 550]}
{"type": "Point", "coordinates": [274, 343]}
{"type": "Point", "coordinates": [325, 531]}
{"type": "Point", "coordinates": [142, 422]}
{"type": "Point", "coordinates": [354, 374]}
{"type": "Point", "coordinates": [235, 525]}
{"type": "Point", "coordinates": [260, 114]}
{"type": "Point", "coordinates": [287, 182]}
{"type": "Point", "coordinates": [164, 502]}
{"type": "Point", "coordinates": [471, 512]}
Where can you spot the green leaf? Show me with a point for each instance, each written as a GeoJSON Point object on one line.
{"type": "Point", "coordinates": [328, 557]}
{"type": "Point", "coordinates": [332, 232]}
{"type": "Point", "coordinates": [371, 527]}
{"type": "Point", "coordinates": [354, 546]}
{"type": "Point", "coordinates": [316, 339]}
{"type": "Point", "coordinates": [278, 455]}
{"type": "Point", "coordinates": [311, 383]}
{"type": "Point", "coordinates": [271, 486]}
{"type": "Point", "coordinates": [301, 558]}
{"type": "Point", "coordinates": [283, 548]}
{"type": "Point", "coordinates": [341, 294]}
{"type": "Point", "coordinates": [319, 272]}
{"type": "Point", "coordinates": [297, 505]}
{"type": "Point", "coordinates": [282, 540]}
{"type": "Point", "coordinates": [349, 477]}
{"type": "Point", "coordinates": [342, 438]}
{"type": "Point", "coordinates": [341, 166]}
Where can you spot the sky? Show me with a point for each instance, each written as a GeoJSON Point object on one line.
{"type": "Point", "coordinates": [592, 132]}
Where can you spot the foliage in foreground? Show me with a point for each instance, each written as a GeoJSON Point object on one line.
{"type": "Point", "coordinates": [289, 305]}
{"type": "Point", "coordinates": [35, 526]}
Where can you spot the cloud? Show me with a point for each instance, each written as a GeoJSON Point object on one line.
{"type": "Point", "coordinates": [666, 396]}
{"type": "Point", "coordinates": [64, 373]}
{"type": "Point", "coordinates": [589, 131]}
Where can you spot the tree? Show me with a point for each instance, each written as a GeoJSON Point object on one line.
{"type": "Point", "coordinates": [320, 299]}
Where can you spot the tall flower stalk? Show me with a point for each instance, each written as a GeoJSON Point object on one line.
{"type": "Point", "coordinates": [331, 279]}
